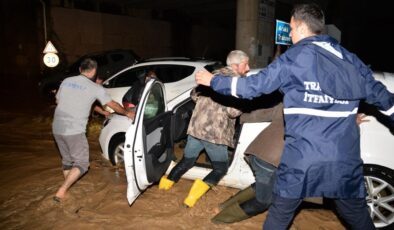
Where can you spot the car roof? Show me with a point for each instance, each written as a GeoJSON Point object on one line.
{"type": "Point", "coordinates": [176, 59]}
{"type": "Point", "coordinates": [200, 63]}
{"type": "Point", "coordinates": [196, 63]}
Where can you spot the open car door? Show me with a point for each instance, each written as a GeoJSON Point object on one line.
{"type": "Point", "coordinates": [148, 146]}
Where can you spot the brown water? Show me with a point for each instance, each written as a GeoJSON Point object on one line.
{"type": "Point", "coordinates": [30, 172]}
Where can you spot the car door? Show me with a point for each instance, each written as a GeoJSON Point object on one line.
{"type": "Point", "coordinates": [148, 145]}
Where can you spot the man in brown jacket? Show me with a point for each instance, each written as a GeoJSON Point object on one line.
{"type": "Point", "coordinates": [263, 156]}
{"type": "Point", "coordinates": [213, 114]}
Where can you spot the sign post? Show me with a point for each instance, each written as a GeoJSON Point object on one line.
{"type": "Point", "coordinates": [50, 58]}
{"type": "Point", "coordinates": [282, 33]}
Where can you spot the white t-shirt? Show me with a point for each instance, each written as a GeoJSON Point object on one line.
{"type": "Point", "coordinates": [75, 98]}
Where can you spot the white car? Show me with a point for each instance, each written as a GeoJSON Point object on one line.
{"type": "Point", "coordinates": [177, 74]}
{"type": "Point", "coordinates": [150, 140]}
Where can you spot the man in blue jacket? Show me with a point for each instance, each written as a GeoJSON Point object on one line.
{"type": "Point", "coordinates": [322, 85]}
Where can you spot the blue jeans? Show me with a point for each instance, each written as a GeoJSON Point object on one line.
{"type": "Point", "coordinates": [217, 154]}
{"type": "Point", "coordinates": [353, 211]}
{"type": "Point", "coordinates": [265, 176]}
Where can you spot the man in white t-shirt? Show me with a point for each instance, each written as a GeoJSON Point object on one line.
{"type": "Point", "coordinates": [74, 102]}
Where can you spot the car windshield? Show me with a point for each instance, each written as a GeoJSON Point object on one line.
{"type": "Point", "coordinates": [214, 66]}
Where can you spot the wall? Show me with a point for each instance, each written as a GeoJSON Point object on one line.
{"type": "Point", "coordinates": [255, 30]}
{"type": "Point", "coordinates": [76, 32]}
{"type": "Point", "coordinates": [19, 34]}
{"type": "Point", "coordinates": [212, 43]}
{"type": "Point", "coordinates": [20, 58]}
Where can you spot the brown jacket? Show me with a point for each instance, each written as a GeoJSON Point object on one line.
{"type": "Point", "coordinates": [213, 118]}
{"type": "Point", "coordinates": [269, 144]}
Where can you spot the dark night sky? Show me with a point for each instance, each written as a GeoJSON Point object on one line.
{"type": "Point", "coordinates": [366, 28]}
{"type": "Point", "coordinates": [368, 31]}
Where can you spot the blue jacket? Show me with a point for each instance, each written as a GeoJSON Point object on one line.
{"type": "Point", "coordinates": [322, 85]}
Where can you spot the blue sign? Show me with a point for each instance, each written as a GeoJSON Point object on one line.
{"type": "Point", "coordinates": [282, 33]}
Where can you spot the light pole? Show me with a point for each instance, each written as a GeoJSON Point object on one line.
{"type": "Point", "coordinates": [45, 20]}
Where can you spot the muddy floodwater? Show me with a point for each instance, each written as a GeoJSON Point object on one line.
{"type": "Point", "coordinates": [30, 170]}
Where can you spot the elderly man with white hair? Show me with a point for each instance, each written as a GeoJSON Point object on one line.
{"type": "Point", "coordinates": [213, 114]}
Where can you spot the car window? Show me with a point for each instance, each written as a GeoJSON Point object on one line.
{"type": "Point", "coordinates": [117, 57]}
{"type": "Point", "coordinates": [101, 60]}
{"type": "Point", "coordinates": [173, 73]}
{"type": "Point", "coordinates": [126, 78]}
{"type": "Point", "coordinates": [155, 103]}
{"type": "Point", "coordinates": [214, 66]}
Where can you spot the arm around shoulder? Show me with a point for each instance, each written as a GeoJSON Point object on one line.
{"type": "Point", "coordinates": [204, 77]}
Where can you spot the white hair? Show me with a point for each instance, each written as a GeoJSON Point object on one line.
{"type": "Point", "coordinates": [236, 57]}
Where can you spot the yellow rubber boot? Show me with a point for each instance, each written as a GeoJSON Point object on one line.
{"type": "Point", "coordinates": [165, 183]}
{"type": "Point", "coordinates": [198, 189]}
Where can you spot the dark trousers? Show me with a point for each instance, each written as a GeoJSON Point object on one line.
{"type": "Point", "coordinates": [353, 211]}
{"type": "Point", "coordinates": [265, 175]}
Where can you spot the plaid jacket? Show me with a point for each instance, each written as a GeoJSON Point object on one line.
{"type": "Point", "coordinates": [214, 116]}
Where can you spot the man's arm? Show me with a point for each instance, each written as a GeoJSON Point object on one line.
{"type": "Point", "coordinates": [101, 111]}
{"type": "Point", "coordinates": [378, 95]}
{"type": "Point", "coordinates": [204, 77]}
{"type": "Point", "coordinates": [120, 110]}
{"type": "Point", "coordinates": [259, 115]}
{"type": "Point", "coordinates": [264, 82]}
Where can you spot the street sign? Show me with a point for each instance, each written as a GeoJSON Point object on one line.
{"type": "Point", "coordinates": [282, 33]}
{"type": "Point", "coordinates": [50, 48]}
{"type": "Point", "coordinates": [51, 60]}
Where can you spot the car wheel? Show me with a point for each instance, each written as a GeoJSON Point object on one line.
{"type": "Point", "coordinates": [380, 200]}
{"type": "Point", "coordinates": [116, 149]}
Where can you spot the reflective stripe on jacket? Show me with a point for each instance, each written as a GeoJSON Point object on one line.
{"type": "Point", "coordinates": [322, 83]}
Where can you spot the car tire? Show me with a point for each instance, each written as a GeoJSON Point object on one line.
{"type": "Point", "coordinates": [379, 182]}
{"type": "Point", "coordinates": [115, 150]}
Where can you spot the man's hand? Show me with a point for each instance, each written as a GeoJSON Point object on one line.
{"type": "Point", "coordinates": [361, 118]}
{"type": "Point", "coordinates": [204, 77]}
{"type": "Point", "coordinates": [130, 114]}
{"type": "Point", "coordinates": [101, 111]}
{"type": "Point", "coordinates": [106, 114]}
